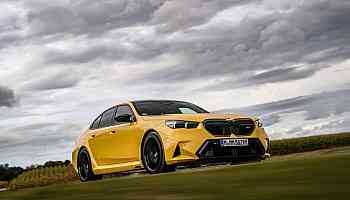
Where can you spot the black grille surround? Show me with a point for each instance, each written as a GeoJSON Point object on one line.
{"type": "Point", "coordinates": [224, 127]}
{"type": "Point", "coordinates": [212, 150]}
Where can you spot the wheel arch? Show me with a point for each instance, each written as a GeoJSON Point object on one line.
{"type": "Point", "coordinates": [78, 153]}
{"type": "Point", "coordinates": [145, 135]}
{"type": "Point", "coordinates": [143, 141]}
{"type": "Point", "coordinates": [81, 148]}
{"type": "Point", "coordinates": [91, 157]}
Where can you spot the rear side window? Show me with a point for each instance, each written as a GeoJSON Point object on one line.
{"type": "Point", "coordinates": [95, 124]}
{"type": "Point", "coordinates": [107, 118]}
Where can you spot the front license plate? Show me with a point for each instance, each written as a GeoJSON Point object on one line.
{"type": "Point", "coordinates": [234, 142]}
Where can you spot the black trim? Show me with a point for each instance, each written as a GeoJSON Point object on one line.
{"type": "Point", "coordinates": [177, 151]}
{"type": "Point", "coordinates": [226, 127]}
{"type": "Point", "coordinates": [212, 150]}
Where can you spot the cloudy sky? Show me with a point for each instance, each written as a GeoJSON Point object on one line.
{"type": "Point", "coordinates": [63, 62]}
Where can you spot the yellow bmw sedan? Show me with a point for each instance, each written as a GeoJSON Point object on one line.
{"type": "Point", "coordinates": [158, 135]}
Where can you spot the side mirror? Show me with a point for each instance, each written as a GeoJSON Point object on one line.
{"type": "Point", "coordinates": [124, 118]}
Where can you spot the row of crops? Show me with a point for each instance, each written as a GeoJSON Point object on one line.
{"type": "Point", "coordinates": [312, 143]}
{"type": "Point", "coordinates": [43, 176]}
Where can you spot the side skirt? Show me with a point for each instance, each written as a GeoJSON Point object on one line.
{"type": "Point", "coordinates": [122, 167]}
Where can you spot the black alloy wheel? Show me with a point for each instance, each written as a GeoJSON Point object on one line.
{"type": "Point", "coordinates": [153, 155]}
{"type": "Point", "coordinates": [85, 168]}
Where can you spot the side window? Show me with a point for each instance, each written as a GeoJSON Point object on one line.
{"type": "Point", "coordinates": [187, 111]}
{"type": "Point", "coordinates": [123, 110]}
{"type": "Point", "coordinates": [107, 118]}
{"type": "Point", "coordinates": [95, 124]}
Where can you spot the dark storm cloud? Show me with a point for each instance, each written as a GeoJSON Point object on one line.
{"type": "Point", "coordinates": [54, 80]}
{"type": "Point", "coordinates": [9, 24]}
{"type": "Point", "coordinates": [314, 33]}
{"type": "Point", "coordinates": [341, 125]}
{"type": "Point", "coordinates": [85, 56]}
{"type": "Point", "coordinates": [37, 143]}
{"type": "Point", "coordinates": [273, 76]}
{"type": "Point", "coordinates": [7, 97]}
{"type": "Point", "coordinates": [25, 133]}
{"type": "Point", "coordinates": [108, 52]}
{"type": "Point", "coordinates": [316, 106]}
{"type": "Point", "coordinates": [165, 15]}
{"type": "Point", "coordinates": [8, 39]}
{"type": "Point", "coordinates": [89, 16]}
{"type": "Point", "coordinates": [41, 21]}
{"type": "Point", "coordinates": [179, 15]}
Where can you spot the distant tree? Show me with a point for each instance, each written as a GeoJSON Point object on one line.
{"type": "Point", "coordinates": [67, 162]}
{"type": "Point", "coordinates": [56, 163]}
{"type": "Point", "coordinates": [30, 167]}
{"type": "Point", "coordinates": [8, 173]}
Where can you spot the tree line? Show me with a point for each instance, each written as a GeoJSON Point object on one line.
{"type": "Point", "coordinates": [8, 173]}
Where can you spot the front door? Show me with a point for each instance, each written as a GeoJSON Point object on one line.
{"type": "Point", "coordinates": [125, 138]}
{"type": "Point", "coordinates": [100, 138]}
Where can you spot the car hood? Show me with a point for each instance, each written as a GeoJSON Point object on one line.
{"type": "Point", "coordinates": [194, 117]}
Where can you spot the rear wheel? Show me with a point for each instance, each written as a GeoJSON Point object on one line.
{"type": "Point", "coordinates": [85, 168]}
{"type": "Point", "coordinates": [153, 158]}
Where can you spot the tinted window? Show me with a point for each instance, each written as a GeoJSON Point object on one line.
{"type": "Point", "coordinates": [107, 118]}
{"type": "Point", "coordinates": [166, 107]}
{"type": "Point", "coordinates": [95, 124]}
{"type": "Point", "coordinates": [187, 111]}
{"type": "Point", "coordinates": [123, 110]}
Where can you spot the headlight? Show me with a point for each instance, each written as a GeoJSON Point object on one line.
{"type": "Point", "coordinates": [259, 122]}
{"type": "Point", "coordinates": [181, 124]}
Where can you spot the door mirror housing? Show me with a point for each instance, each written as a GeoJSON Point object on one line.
{"type": "Point", "coordinates": [127, 118]}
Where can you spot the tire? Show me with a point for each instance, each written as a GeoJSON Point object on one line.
{"type": "Point", "coordinates": [84, 167]}
{"type": "Point", "coordinates": [152, 155]}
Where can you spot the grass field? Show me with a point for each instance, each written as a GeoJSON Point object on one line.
{"type": "Point", "coordinates": [314, 175]}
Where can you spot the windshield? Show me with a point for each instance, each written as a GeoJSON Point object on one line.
{"type": "Point", "coordinates": [166, 107]}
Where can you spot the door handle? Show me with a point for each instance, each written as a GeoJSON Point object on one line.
{"type": "Point", "coordinates": [93, 135]}
{"type": "Point", "coordinates": [113, 132]}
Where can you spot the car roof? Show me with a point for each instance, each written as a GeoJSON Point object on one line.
{"type": "Point", "coordinates": [146, 101]}
{"type": "Point", "coordinates": [162, 100]}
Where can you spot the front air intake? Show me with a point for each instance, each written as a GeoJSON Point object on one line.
{"type": "Point", "coordinates": [223, 127]}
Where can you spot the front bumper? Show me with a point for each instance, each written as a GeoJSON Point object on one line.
{"type": "Point", "coordinates": [198, 144]}
{"type": "Point", "coordinates": [212, 150]}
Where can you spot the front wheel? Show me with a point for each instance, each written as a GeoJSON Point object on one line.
{"type": "Point", "coordinates": [85, 168]}
{"type": "Point", "coordinates": [153, 158]}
